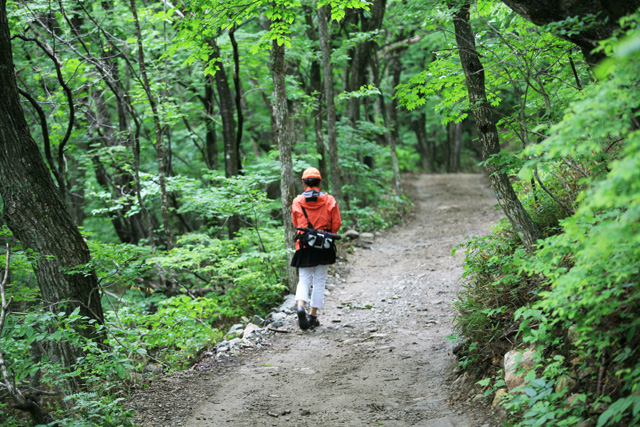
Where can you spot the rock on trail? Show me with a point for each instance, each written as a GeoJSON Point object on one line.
{"type": "Point", "coordinates": [381, 355]}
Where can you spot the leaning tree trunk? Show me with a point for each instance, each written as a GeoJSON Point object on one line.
{"type": "Point", "coordinates": [488, 131]}
{"type": "Point", "coordinates": [36, 214]}
{"type": "Point", "coordinates": [325, 47]}
{"type": "Point", "coordinates": [284, 138]}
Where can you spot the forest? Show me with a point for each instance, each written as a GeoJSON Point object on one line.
{"type": "Point", "coordinates": [150, 151]}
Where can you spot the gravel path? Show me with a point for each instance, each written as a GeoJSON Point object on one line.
{"type": "Point", "coordinates": [380, 356]}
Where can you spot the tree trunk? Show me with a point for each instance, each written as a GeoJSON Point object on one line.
{"type": "Point", "coordinates": [316, 89]}
{"type": "Point", "coordinates": [228, 127]}
{"type": "Point", "coordinates": [383, 109]}
{"type": "Point", "coordinates": [36, 214]}
{"type": "Point", "coordinates": [361, 56]}
{"type": "Point", "coordinates": [424, 147]}
{"type": "Point", "coordinates": [284, 138]}
{"type": "Point", "coordinates": [487, 129]}
{"type": "Point", "coordinates": [325, 47]}
{"type": "Point", "coordinates": [316, 80]}
{"type": "Point", "coordinates": [454, 141]}
{"type": "Point", "coordinates": [238, 93]}
{"type": "Point", "coordinates": [127, 226]}
{"type": "Point", "coordinates": [226, 114]}
{"type": "Point", "coordinates": [211, 143]}
{"type": "Point", "coordinates": [159, 133]}
{"type": "Point", "coordinates": [392, 117]}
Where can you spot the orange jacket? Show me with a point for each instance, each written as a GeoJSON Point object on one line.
{"type": "Point", "coordinates": [323, 213]}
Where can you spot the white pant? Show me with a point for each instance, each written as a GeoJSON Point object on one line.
{"type": "Point", "coordinates": [308, 275]}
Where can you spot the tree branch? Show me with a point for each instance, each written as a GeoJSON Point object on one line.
{"type": "Point", "coordinates": [57, 170]}
{"type": "Point", "coordinates": [564, 207]}
{"type": "Point", "coordinates": [45, 133]}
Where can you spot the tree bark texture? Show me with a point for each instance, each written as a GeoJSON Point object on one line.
{"type": "Point", "coordinates": [284, 138]}
{"type": "Point", "coordinates": [332, 134]}
{"type": "Point", "coordinates": [487, 129]}
{"type": "Point", "coordinates": [607, 12]}
{"type": "Point", "coordinates": [35, 211]}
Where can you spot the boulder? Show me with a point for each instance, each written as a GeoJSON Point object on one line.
{"type": "Point", "coordinates": [278, 317]}
{"type": "Point", "coordinates": [235, 331]}
{"type": "Point", "coordinates": [289, 304]}
{"type": "Point", "coordinates": [516, 364]}
{"type": "Point", "coordinates": [250, 329]}
{"type": "Point", "coordinates": [236, 342]}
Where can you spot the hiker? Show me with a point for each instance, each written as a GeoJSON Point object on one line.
{"type": "Point", "coordinates": [313, 210]}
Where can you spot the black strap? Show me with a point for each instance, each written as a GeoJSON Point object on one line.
{"type": "Point", "coordinates": [309, 225]}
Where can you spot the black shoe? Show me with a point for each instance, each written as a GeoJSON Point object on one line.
{"type": "Point", "coordinates": [313, 321]}
{"type": "Point", "coordinates": [302, 318]}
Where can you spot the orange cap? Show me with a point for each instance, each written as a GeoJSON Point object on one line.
{"type": "Point", "coordinates": [311, 173]}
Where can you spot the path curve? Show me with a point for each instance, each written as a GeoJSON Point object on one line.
{"type": "Point", "coordinates": [381, 356]}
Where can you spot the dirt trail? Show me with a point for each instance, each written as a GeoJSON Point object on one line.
{"type": "Point", "coordinates": [380, 356]}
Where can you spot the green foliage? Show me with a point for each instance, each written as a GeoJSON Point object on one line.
{"type": "Point", "coordinates": [173, 332]}
{"type": "Point", "coordinates": [24, 334]}
{"type": "Point", "coordinates": [371, 206]}
{"type": "Point", "coordinates": [148, 294]}
{"type": "Point", "coordinates": [582, 313]}
{"type": "Point", "coordinates": [93, 410]}
{"type": "Point", "coordinates": [494, 289]}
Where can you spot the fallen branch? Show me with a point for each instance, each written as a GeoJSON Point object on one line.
{"type": "Point", "coordinates": [272, 329]}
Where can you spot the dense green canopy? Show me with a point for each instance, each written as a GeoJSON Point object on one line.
{"type": "Point", "coordinates": [172, 136]}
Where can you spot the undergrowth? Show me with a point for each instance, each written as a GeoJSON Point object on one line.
{"type": "Point", "coordinates": [163, 309]}
{"type": "Point", "coordinates": [575, 299]}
